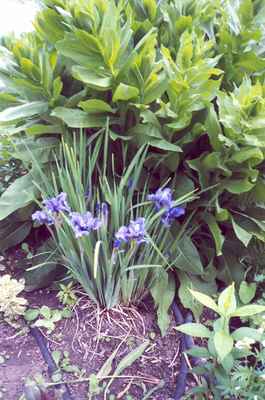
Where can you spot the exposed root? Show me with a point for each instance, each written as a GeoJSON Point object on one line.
{"type": "Point", "coordinates": [119, 323]}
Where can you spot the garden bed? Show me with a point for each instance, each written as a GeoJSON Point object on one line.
{"type": "Point", "coordinates": [90, 336]}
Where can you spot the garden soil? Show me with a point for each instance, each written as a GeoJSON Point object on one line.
{"type": "Point", "coordinates": [90, 336]}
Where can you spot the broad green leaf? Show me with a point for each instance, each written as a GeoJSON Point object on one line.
{"type": "Point", "coordinates": [40, 129]}
{"type": "Point", "coordinates": [66, 313]}
{"type": "Point", "coordinates": [7, 100]}
{"type": "Point", "coordinates": [57, 87]}
{"type": "Point", "coordinates": [42, 149]}
{"type": "Point", "coordinates": [92, 79]}
{"type": "Point", "coordinates": [46, 312]}
{"type": "Point", "coordinates": [245, 11]}
{"type": "Point", "coordinates": [77, 118]}
{"type": "Point", "coordinates": [182, 23]}
{"type": "Point", "coordinates": [253, 155]}
{"type": "Point", "coordinates": [237, 186]}
{"type": "Point", "coordinates": [247, 291]}
{"type": "Point", "coordinates": [213, 129]}
{"type": "Point", "coordinates": [83, 48]}
{"type": "Point", "coordinates": [250, 62]}
{"type": "Point", "coordinates": [150, 134]}
{"type": "Point", "coordinates": [125, 92]}
{"type": "Point", "coordinates": [13, 128]}
{"type": "Point", "coordinates": [232, 268]}
{"type": "Point", "coordinates": [200, 352]}
{"type": "Point", "coordinates": [207, 301]}
{"type": "Point", "coordinates": [44, 275]}
{"type": "Point", "coordinates": [163, 292]}
{"type": "Point", "coordinates": [19, 231]}
{"type": "Point", "coordinates": [72, 101]}
{"type": "Point", "coordinates": [228, 362]}
{"type": "Point", "coordinates": [172, 161]}
{"type": "Point", "coordinates": [163, 144]}
{"type": "Point", "coordinates": [188, 258]}
{"type": "Point", "coordinates": [23, 111]}
{"type": "Point", "coordinates": [185, 51]}
{"type": "Point", "coordinates": [90, 43]}
{"type": "Point", "coordinates": [31, 314]}
{"type": "Point", "coordinates": [190, 281]}
{"type": "Point", "coordinates": [242, 234]}
{"type": "Point", "coordinates": [248, 311]}
{"type": "Point", "coordinates": [29, 68]}
{"type": "Point", "coordinates": [155, 89]}
{"type": "Point", "coordinates": [56, 315]}
{"type": "Point", "coordinates": [49, 17]}
{"type": "Point", "coordinates": [45, 323]}
{"type": "Point", "coordinates": [216, 232]}
{"type": "Point", "coordinates": [246, 332]}
{"type": "Point", "coordinates": [95, 106]}
{"type": "Point", "coordinates": [184, 185]}
{"type": "Point", "coordinates": [29, 90]}
{"type": "Point", "coordinates": [194, 329]}
{"type": "Point", "coordinates": [48, 272]}
{"type": "Point", "coordinates": [151, 7]}
{"type": "Point", "coordinates": [227, 300]}
{"type": "Point", "coordinates": [19, 194]}
{"type": "Point", "coordinates": [223, 344]}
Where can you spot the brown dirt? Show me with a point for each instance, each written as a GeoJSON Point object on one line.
{"type": "Point", "coordinates": [90, 336]}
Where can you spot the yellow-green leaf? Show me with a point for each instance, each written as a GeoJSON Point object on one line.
{"type": "Point", "coordinates": [205, 300]}
{"type": "Point", "coordinates": [95, 106]}
{"type": "Point", "coordinates": [227, 300]}
{"type": "Point", "coordinates": [125, 92]}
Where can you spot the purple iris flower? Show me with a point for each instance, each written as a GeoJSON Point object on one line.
{"type": "Point", "coordinates": [162, 198]}
{"type": "Point", "coordinates": [122, 235]}
{"type": "Point", "coordinates": [117, 243]}
{"type": "Point", "coordinates": [57, 204]}
{"type": "Point", "coordinates": [42, 217]}
{"type": "Point", "coordinates": [83, 224]}
{"type": "Point", "coordinates": [173, 213]}
{"type": "Point", "coordinates": [135, 231]}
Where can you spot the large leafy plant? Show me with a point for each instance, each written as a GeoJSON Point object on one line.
{"type": "Point", "coordinates": [226, 347]}
{"type": "Point", "coordinates": [240, 40]}
{"type": "Point", "coordinates": [95, 63]}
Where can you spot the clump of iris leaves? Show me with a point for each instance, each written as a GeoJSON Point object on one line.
{"type": "Point", "coordinates": [112, 235]}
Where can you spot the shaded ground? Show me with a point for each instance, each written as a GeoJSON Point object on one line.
{"type": "Point", "coordinates": [90, 336]}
